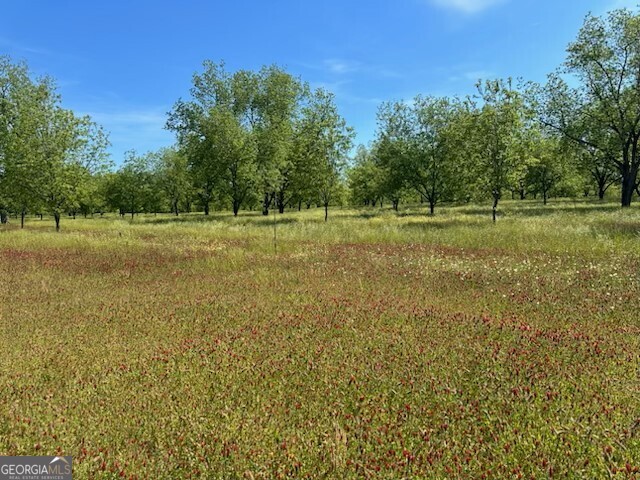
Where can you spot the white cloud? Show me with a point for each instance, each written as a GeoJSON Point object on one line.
{"type": "Point", "coordinates": [466, 6]}
{"type": "Point", "coordinates": [345, 67]}
{"type": "Point", "coordinates": [14, 47]}
{"type": "Point", "coordinates": [17, 46]}
{"type": "Point", "coordinates": [341, 66]}
{"type": "Point", "coordinates": [344, 94]}
{"type": "Point", "coordinates": [333, 87]}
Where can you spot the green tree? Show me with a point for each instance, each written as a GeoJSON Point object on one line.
{"type": "Point", "coordinates": [417, 148]}
{"type": "Point", "coordinates": [47, 154]}
{"type": "Point", "coordinates": [21, 103]}
{"type": "Point", "coordinates": [365, 178]}
{"type": "Point", "coordinates": [173, 178]}
{"type": "Point", "coordinates": [90, 161]}
{"type": "Point", "coordinates": [494, 133]}
{"type": "Point", "coordinates": [261, 133]}
{"type": "Point", "coordinates": [605, 62]}
{"type": "Point", "coordinates": [218, 132]}
{"type": "Point", "coordinates": [597, 152]}
{"type": "Point", "coordinates": [325, 142]}
{"type": "Point", "coordinates": [132, 185]}
{"type": "Point", "coordinates": [546, 165]}
{"type": "Point", "coordinates": [92, 198]}
{"type": "Point", "coordinates": [235, 151]}
{"type": "Point", "coordinates": [395, 147]}
{"type": "Point", "coordinates": [188, 119]}
{"type": "Point", "coordinates": [389, 185]}
{"type": "Point", "coordinates": [62, 166]}
{"type": "Point", "coordinates": [277, 106]}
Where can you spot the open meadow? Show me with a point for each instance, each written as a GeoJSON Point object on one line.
{"type": "Point", "coordinates": [376, 345]}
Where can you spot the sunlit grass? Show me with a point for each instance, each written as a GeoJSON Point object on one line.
{"type": "Point", "coordinates": [378, 344]}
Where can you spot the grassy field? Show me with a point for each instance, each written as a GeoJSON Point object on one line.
{"type": "Point", "coordinates": [377, 345]}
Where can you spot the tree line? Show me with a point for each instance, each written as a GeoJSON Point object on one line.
{"type": "Point", "coordinates": [49, 157]}
{"type": "Point", "coordinates": [578, 133]}
{"type": "Point", "coordinates": [265, 139]}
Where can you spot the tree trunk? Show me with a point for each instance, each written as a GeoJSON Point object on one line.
{"type": "Point", "coordinates": [494, 210]}
{"type": "Point", "coordinates": [326, 211]}
{"type": "Point", "coordinates": [432, 207]}
{"type": "Point", "coordinates": [56, 216]}
{"type": "Point", "coordinates": [175, 208]}
{"type": "Point", "coordinates": [299, 205]}
{"type": "Point", "coordinates": [395, 202]}
{"type": "Point", "coordinates": [22, 214]}
{"type": "Point", "coordinates": [236, 208]}
{"type": "Point", "coordinates": [628, 187]}
{"type": "Point", "coordinates": [4, 218]}
{"type": "Point", "coordinates": [206, 208]}
{"type": "Point", "coordinates": [544, 197]}
{"type": "Point", "coordinates": [41, 216]}
{"type": "Point", "coordinates": [266, 203]}
{"type": "Point", "coordinates": [280, 201]}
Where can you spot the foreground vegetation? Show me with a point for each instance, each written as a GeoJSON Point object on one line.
{"type": "Point", "coordinates": [380, 344]}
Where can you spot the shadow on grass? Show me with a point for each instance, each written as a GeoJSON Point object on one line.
{"type": "Point", "coordinates": [623, 229]}
{"type": "Point", "coordinates": [246, 218]}
{"type": "Point", "coordinates": [580, 209]}
{"type": "Point", "coordinates": [431, 223]}
{"type": "Point", "coordinates": [526, 208]}
{"type": "Point", "coordinates": [510, 208]}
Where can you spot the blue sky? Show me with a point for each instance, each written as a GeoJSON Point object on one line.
{"type": "Point", "coordinates": [126, 62]}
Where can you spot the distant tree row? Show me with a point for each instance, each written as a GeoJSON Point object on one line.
{"type": "Point", "coordinates": [248, 139]}
{"type": "Point", "coordinates": [263, 134]}
{"type": "Point", "coordinates": [245, 140]}
{"type": "Point", "coordinates": [49, 157]}
{"type": "Point", "coordinates": [265, 140]}
{"type": "Point", "coordinates": [533, 140]}
{"type": "Point", "coordinates": [448, 149]}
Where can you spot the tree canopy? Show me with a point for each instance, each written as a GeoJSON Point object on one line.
{"type": "Point", "coordinates": [265, 139]}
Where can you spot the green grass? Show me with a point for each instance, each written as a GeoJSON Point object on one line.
{"type": "Point", "coordinates": [379, 344]}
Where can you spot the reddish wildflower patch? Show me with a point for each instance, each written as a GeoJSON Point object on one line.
{"type": "Point", "coordinates": [175, 359]}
